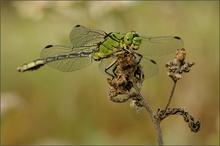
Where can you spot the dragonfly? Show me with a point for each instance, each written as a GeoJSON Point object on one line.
{"type": "Point", "coordinates": [90, 45]}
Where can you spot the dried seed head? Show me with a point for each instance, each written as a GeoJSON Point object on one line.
{"type": "Point", "coordinates": [178, 65]}
{"type": "Point", "coordinates": [181, 54]}
{"type": "Point", "coordinates": [127, 72]}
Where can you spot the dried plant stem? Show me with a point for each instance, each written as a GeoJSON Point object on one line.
{"type": "Point", "coordinates": [154, 119]}
{"type": "Point", "coordinates": [171, 95]}
{"type": "Point", "coordinates": [128, 78]}
{"type": "Point", "coordinates": [153, 116]}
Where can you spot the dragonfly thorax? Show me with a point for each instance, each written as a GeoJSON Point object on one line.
{"type": "Point", "coordinates": [110, 46]}
{"type": "Point", "coordinates": [132, 40]}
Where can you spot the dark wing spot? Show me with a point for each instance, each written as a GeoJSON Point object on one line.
{"type": "Point", "coordinates": [49, 46]}
{"type": "Point", "coordinates": [153, 61]}
{"type": "Point", "coordinates": [176, 37]}
{"type": "Point", "coordinates": [77, 25]}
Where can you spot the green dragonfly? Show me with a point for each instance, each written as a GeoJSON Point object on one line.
{"type": "Point", "coordinates": [91, 44]}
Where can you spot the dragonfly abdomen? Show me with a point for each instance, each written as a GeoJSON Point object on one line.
{"type": "Point", "coordinates": [81, 54]}
{"type": "Point", "coordinates": [65, 56]}
{"type": "Point", "coordinates": [31, 65]}
{"type": "Point", "coordinates": [34, 65]}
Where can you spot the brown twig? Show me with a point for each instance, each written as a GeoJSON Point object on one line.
{"type": "Point", "coordinates": [171, 95]}
{"type": "Point", "coordinates": [194, 126]}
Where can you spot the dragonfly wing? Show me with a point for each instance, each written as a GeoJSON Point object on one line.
{"type": "Point", "coordinates": [82, 36]}
{"type": "Point", "coordinates": [71, 64]}
{"type": "Point", "coordinates": [150, 67]}
{"type": "Point", "coordinates": [53, 50]}
{"type": "Point", "coordinates": [155, 46]}
{"type": "Point", "coordinates": [67, 59]}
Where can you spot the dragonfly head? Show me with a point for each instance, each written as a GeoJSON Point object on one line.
{"type": "Point", "coordinates": [133, 40]}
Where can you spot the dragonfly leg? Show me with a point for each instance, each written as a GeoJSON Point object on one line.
{"type": "Point", "coordinates": [140, 57]}
{"type": "Point", "coordinates": [110, 66]}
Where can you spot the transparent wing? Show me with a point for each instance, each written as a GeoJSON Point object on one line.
{"type": "Point", "coordinates": [105, 63]}
{"type": "Point", "coordinates": [155, 46]}
{"type": "Point", "coordinates": [150, 67]}
{"type": "Point", "coordinates": [53, 50]}
{"type": "Point", "coordinates": [82, 36]}
{"type": "Point", "coordinates": [71, 64]}
{"type": "Point", "coordinates": [78, 59]}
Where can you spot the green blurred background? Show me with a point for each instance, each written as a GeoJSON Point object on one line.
{"type": "Point", "coordinates": [52, 107]}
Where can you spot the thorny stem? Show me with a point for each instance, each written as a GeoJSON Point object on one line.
{"type": "Point", "coordinates": [171, 95]}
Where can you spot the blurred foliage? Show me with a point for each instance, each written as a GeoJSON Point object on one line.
{"type": "Point", "coordinates": [52, 107]}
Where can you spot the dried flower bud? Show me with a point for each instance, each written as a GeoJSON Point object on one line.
{"type": "Point", "coordinates": [181, 54]}
{"type": "Point", "coordinates": [127, 72]}
{"type": "Point", "coordinates": [178, 65]}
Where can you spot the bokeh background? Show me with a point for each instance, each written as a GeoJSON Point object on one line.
{"type": "Point", "coordinates": [52, 107]}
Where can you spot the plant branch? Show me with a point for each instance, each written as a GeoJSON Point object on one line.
{"type": "Point", "coordinates": [194, 126]}
{"type": "Point", "coordinates": [128, 78]}
{"type": "Point", "coordinates": [171, 95]}
{"type": "Point", "coordinates": [154, 118]}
